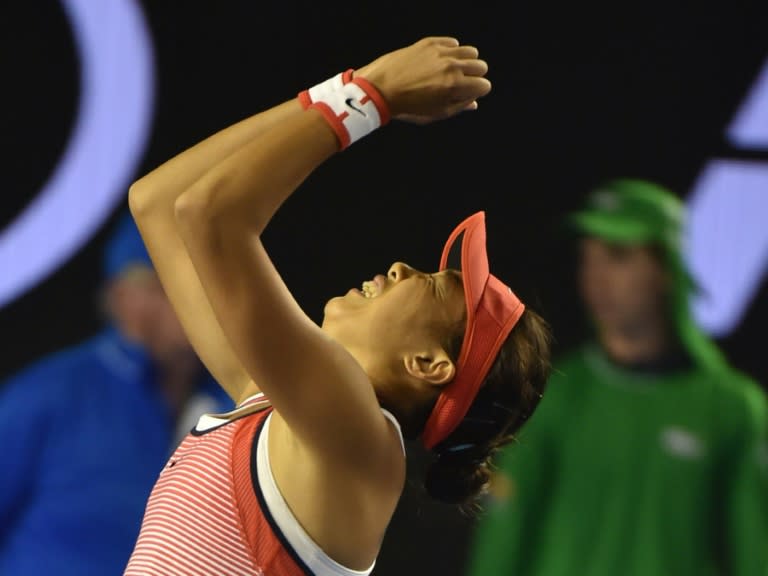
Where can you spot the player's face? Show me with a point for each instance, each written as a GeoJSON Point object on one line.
{"type": "Point", "coordinates": [397, 313]}
{"type": "Point", "coordinates": [622, 286]}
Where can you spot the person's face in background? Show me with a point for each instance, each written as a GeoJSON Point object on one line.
{"type": "Point", "coordinates": [141, 310]}
{"type": "Point", "coordinates": [624, 287]}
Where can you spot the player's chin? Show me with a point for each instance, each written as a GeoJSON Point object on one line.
{"type": "Point", "coordinates": [339, 306]}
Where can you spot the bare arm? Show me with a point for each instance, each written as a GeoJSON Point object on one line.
{"type": "Point", "coordinates": [152, 201]}
{"type": "Point", "coordinates": [316, 386]}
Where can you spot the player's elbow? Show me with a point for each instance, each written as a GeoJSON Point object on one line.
{"type": "Point", "coordinates": [140, 200]}
{"type": "Point", "coordinates": [189, 211]}
{"type": "Point", "coordinates": [198, 211]}
{"type": "Point", "coordinates": [210, 204]}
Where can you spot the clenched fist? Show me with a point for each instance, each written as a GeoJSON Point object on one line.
{"type": "Point", "coordinates": [431, 79]}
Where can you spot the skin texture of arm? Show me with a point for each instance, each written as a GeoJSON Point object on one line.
{"type": "Point", "coordinates": [152, 201]}
{"type": "Point", "coordinates": [316, 386]}
{"type": "Point", "coordinates": [300, 369]}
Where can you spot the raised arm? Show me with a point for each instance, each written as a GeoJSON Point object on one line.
{"type": "Point", "coordinates": [317, 388]}
{"type": "Point", "coordinates": [152, 201]}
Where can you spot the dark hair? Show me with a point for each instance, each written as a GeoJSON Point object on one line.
{"type": "Point", "coordinates": [461, 468]}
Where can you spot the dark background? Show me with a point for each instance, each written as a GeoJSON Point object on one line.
{"type": "Point", "coordinates": [580, 94]}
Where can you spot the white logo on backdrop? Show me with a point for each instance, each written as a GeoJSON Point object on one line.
{"type": "Point", "coordinates": [727, 241]}
{"type": "Point", "coordinates": [113, 121]}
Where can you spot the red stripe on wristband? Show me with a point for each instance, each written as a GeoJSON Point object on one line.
{"type": "Point", "coordinates": [335, 122]}
{"type": "Point", "coordinates": [304, 99]}
{"type": "Point", "coordinates": [375, 95]}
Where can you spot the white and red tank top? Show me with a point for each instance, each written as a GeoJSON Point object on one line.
{"type": "Point", "coordinates": [215, 509]}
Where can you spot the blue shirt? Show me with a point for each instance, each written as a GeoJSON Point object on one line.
{"type": "Point", "coordinates": [85, 433]}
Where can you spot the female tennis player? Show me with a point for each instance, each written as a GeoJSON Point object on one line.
{"type": "Point", "coordinates": [304, 476]}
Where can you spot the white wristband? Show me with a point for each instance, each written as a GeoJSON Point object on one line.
{"type": "Point", "coordinates": [353, 111]}
{"type": "Point", "coordinates": [318, 91]}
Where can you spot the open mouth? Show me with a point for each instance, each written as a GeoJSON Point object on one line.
{"type": "Point", "coordinates": [370, 289]}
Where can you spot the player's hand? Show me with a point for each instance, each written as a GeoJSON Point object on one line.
{"type": "Point", "coordinates": [433, 78]}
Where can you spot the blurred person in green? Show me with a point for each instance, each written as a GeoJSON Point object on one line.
{"type": "Point", "coordinates": [647, 456]}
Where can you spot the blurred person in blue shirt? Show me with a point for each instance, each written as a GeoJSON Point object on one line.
{"type": "Point", "coordinates": [89, 428]}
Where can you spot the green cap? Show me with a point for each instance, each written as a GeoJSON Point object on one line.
{"type": "Point", "coordinates": [632, 212]}
{"type": "Point", "coordinates": [629, 211]}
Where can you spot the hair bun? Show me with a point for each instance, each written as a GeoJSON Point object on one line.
{"type": "Point", "coordinates": [456, 476]}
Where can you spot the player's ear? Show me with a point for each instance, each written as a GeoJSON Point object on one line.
{"type": "Point", "coordinates": [433, 367]}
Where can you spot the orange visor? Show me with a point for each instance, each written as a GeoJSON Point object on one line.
{"type": "Point", "coordinates": [492, 311]}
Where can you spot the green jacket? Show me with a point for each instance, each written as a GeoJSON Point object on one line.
{"type": "Point", "coordinates": [624, 474]}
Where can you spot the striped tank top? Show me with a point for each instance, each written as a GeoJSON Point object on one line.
{"type": "Point", "coordinates": [215, 508]}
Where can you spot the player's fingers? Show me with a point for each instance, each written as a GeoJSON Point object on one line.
{"type": "Point", "coordinates": [473, 67]}
{"type": "Point", "coordinates": [463, 52]}
{"type": "Point", "coordinates": [471, 88]}
{"type": "Point", "coordinates": [447, 41]}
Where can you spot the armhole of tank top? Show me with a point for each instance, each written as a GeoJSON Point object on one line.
{"type": "Point", "coordinates": [287, 529]}
{"type": "Point", "coordinates": [259, 396]}
{"type": "Point", "coordinates": [391, 417]}
{"type": "Point", "coordinates": [209, 422]}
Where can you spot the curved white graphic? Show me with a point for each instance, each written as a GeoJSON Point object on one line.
{"type": "Point", "coordinates": [727, 239]}
{"type": "Point", "coordinates": [114, 117]}
{"type": "Point", "coordinates": [750, 126]}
